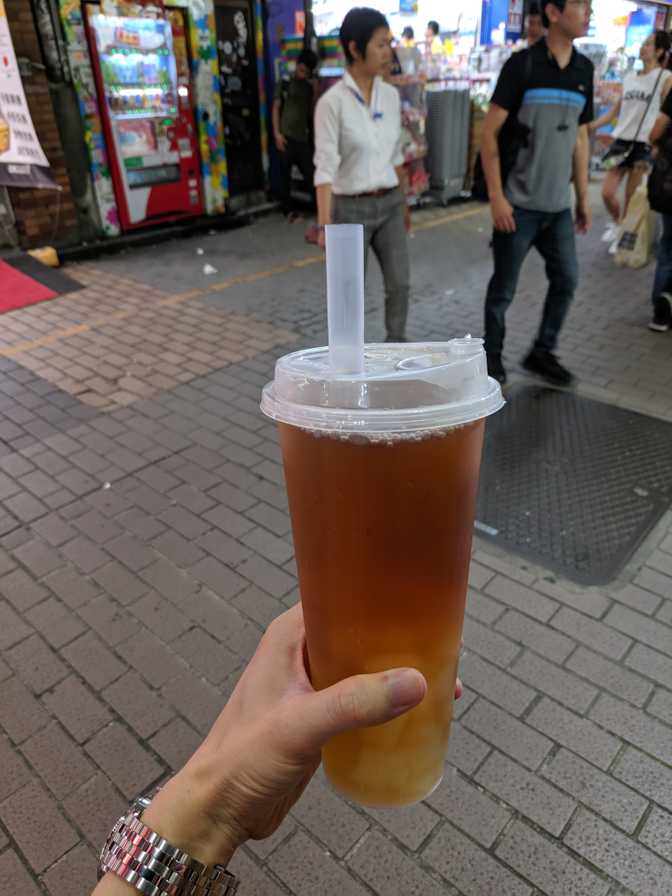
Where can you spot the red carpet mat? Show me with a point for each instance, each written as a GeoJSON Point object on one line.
{"type": "Point", "coordinates": [25, 281]}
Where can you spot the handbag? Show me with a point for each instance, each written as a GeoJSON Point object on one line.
{"type": "Point", "coordinates": [621, 149]}
{"type": "Point", "coordinates": [638, 230]}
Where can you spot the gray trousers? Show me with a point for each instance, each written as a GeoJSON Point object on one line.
{"type": "Point", "coordinates": [385, 233]}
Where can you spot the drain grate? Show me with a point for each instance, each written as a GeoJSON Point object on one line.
{"type": "Point", "coordinates": [573, 484]}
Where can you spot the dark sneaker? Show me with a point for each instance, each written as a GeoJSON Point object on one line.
{"type": "Point", "coordinates": [662, 315]}
{"type": "Point", "coordinates": [496, 368]}
{"type": "Point", "coordinates": [546, 365]}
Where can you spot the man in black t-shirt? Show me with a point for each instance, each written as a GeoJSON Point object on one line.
{"type": "Point", "coordinates": [548, 89]}
{"type": "Point", "coordinates": [293, 107]}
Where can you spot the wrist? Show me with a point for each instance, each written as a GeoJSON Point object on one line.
{"type": "Point", "coordinates": [189, 813]}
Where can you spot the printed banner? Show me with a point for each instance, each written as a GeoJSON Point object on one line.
{"type": "Point", "coordinates": [20, 149]}
{"type": "Point", "coordinates": [133, 8]}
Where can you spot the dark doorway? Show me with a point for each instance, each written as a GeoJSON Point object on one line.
{"type": "Point", "coordinates": [239, 85]}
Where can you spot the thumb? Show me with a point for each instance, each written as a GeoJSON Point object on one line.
{"type": "Point", "coordinates": [360, 702]}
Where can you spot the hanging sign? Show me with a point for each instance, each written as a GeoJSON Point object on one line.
{"type": "Point", "coordinates": [22, 160]}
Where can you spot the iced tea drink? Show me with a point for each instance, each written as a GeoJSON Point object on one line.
{"type": "Point", "coordinates": [382, 529]}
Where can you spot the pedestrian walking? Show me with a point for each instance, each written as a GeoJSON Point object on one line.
{"type": "Point", "coordinates": [660, 198]}
{"type": "Point", "coordinates": [359, 175]}
{"type": "Point", "coordinates": [629, 156]}
{"type": "Point", "coordinates": [293, 108]}
{"type": "Point", "coordinates": [541, 108]}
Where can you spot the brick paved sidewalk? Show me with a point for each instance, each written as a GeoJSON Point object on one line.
{"type": "Point", "coordinates": [145, 543]}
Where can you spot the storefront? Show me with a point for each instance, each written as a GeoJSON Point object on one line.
{"type": "Point", "coordinates": [172, 102]}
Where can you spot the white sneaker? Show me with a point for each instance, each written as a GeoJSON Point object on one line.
{"type": "Point", "coordinates": [613, 249]}
{"type": "Point", "coordinates": [610, 233]}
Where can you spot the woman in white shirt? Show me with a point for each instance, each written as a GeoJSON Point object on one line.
{"type": "Point", "coordinates": [358, 159]}
{"type": "Point", "coordinates": [643, 95]}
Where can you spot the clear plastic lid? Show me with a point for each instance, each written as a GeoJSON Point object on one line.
{"type": "Point", "coordinates": [403, 388]}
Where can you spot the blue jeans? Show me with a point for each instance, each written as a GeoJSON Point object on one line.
{"type": "Point", "coordinates": [552, 235]}
{"type": "Point", "coordinates": [663, 279]}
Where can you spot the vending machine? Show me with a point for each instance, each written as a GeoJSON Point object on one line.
{"type": "Point", "coordinates": [148, 119]}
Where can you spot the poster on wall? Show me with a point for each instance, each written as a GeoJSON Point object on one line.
{"type": "Point", "coordinates": [22, 160]}
{"type": "Point", "coordinates": [514, 20]}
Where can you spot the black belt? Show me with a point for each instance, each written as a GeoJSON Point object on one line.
{"type": "Point", "coordinates": [373, 194]}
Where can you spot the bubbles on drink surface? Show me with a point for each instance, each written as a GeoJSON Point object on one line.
{"type": "Point", "coordinates": [385, 438]}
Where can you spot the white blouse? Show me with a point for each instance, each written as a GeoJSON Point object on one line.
{"type": "Point", "coordinates": [357, 147]}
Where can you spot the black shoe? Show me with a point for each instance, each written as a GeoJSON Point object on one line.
{"type": "Point", "coordinates": [662, 315]}
{"type": "Point", "coordinates": [496, 368]}
{"type": "Point", "coordinates": [545, 364]}
{"type": "Point", "coordinates": [396, 339]}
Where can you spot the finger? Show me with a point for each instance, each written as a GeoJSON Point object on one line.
{"type": "Point", "coordinates": [360, 702]}
{"type": "Point", "coordinates": [459, 688]}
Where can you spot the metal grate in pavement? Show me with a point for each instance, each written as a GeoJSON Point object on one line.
{"type": "Point", "coordinates": [573, 484]}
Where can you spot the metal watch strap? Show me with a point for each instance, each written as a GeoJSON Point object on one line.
{"type": "Point", "coordinates": [144, 859]}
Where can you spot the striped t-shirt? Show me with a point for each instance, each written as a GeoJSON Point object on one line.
{"type": "Point", "coordinates": [553, 103]}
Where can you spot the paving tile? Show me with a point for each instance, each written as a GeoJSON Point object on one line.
{"type": "Point", "coordinates": [21, 715]}
{"type": "Point", "coordinates": [15, 772]}
{"type": "Point", "coordinates": [199, 702]}
{"type": "Point", "coordinates": [225, 548]}
{"type": "Point", "coordinates": [38, 827]}
{"type": "Point", "coordinates": [610, 676]}
{"type": "Point", "coordinates": [535, 636]}
{"type": "Point", "coordinates": [232, 497]}
{"type": "Point", "coordinates": [646, 775]}
{"type": "Point", "coordinates": [561, 685]}
{"type": "Point", "coordinates": [621, 858]}
{"type": "Point", "coordinates": [655, 581]}
{"type": "Point", "coordinates": [95, 807]}
{"type": "Point", "coordinates": [128, 765]}
{"type": "Point", "coordinates": [140, 523]}
{"type": "Point", "coordinates": [507, 733]}
{"type": "Point", "coordinates": [57, 624]}
{"type": "Point", "coordinates": [75, 873]}
{"type": "Point", "coordinates": [160, 616]}
{"type": "Point", "coordinates": [258, 605]}
{"type": "Point", "coordinates": [657, 833]}
{"type": "Point", "coordinates": [58, 760]}
{"type": "Point", "coordinates": [38, 557]}
{"type": "Point", "coordinates": [501, 689]}
{"type": "Point", "coordinates": [98, 527]}
{"type": "Point", "coordinates": [648, 631]}
{"type": "Point", "coordinates": [578, 734]}
{"type": "Point", "coordinates": [175, 743]}
{"type": "Point", "coordinates": [633, 725]}
{"type": "Point", "coordinates": [551, 869]}
{"type": "Point", "coordinates": [479, 575]}
{"type": "Point", "coordinates": [97, 665]}
{"type": "Point", "coordinates": [14, 875]}
{"type": "Point", "coordinates": [77, 709]}
{"type": "Point", "coordinates": [521, 598]}
{"type": "Point", "coordinates": [151, 658]}
{"type": "Point", "coordinates": [593, 634]}
{"type": "Point", "coordinates": [177, 548]}
{"type": "Point", "coordinates": [387, 869]}
{"type": "Point", "coordinates": [267, 576]}
{"type": "Point", "coordinates": [72, 588]}
{"type": "Point", "coordinates": [465, 750]}
{"type": "Point", "coordinates": [219, 578]}
{"type": "Point", "coordinates": [228, 520]}
{"type": "Point", "coordinates": [599, 792]}
{"type": "Point", "coordinates": [469, 808]}
{"type": "Point", "coordinates": [85, 554]}
{"type": "Point", "coordinates": [474, 871]}
{"type": "Point", "coordinates": [25, 507]}
{"type": "Point", "coordinates": [660, 706]}
{"type": "Point", "coordinates": [536, 799]}
{"type": "Point", "coordinates": [638, 599]}
{"type": "Point", "coordinates": [306, 870]}
{"type": "Point", "coordinates": [12, 628]}
{"type": "Point", "coordinates": [587, 600]}
{"type": "Point", "coordinates": [253, 881]}
{"type": "Point", "coordinates": [113, 623]}
{"type": "Point", "coordinates": [137, 704]}
{"type": "Point", "coordinates": [651, 663]}
{"type": "Point", "coordinates": [36, 664]}
{"type": "Point", "coordinates": [21, 590]}
{"type": "Point", "coordinates": [203, 653]}
{"type": "Point", "coordinates": [272, 548]}
{"type": "Point", "coordinates": [131, 552]}
{"type": "Point", "coordinates": [118, 581]}
{"type": "Point", "coordinates": [329, 818]}
{"type": "Point", "coordinates": [271, 518]}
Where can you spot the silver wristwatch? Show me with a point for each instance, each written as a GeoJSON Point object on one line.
{"type": "Point", "coordinates": [145, 860]}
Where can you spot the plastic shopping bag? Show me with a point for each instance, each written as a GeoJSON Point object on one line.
{"type": "Point", "coordinates": [637, 233]}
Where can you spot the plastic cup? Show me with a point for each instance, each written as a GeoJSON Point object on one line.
{"type": "Point", "coordinates": [382, 470]}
